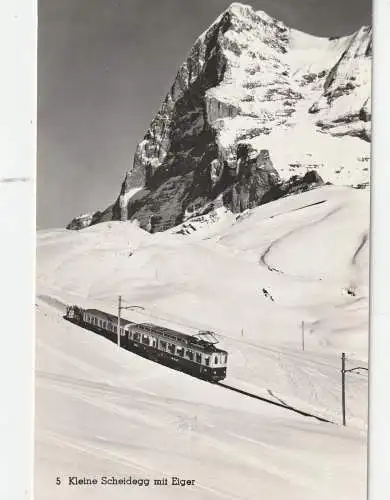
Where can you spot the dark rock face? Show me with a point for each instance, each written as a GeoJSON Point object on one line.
{"type": "Point", "coordinates": [296, 184]}
{"type": "Point", "coordinates": [254, 178]}
{"type": "Point", "coordinates": [80, 222]}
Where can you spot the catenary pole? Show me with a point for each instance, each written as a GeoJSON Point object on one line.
{"type": "Point", "coordinates": [119, 321]}
{"type": "Point", "coordinates": [343, 386]}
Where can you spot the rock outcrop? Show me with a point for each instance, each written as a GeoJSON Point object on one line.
{"type": "Point", "coordinates": [80, 222]}
{"type": "Point", "coordinates": [254, 104]}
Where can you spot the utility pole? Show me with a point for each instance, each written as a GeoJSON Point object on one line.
{"type": "Point", "coordinates": [343, 372]}
{"type": "Point", "coordinates": [120, 307]}
{"type": "Point", "coordinates": [303, 334]}
{"type": "Point", "coordinates": [119, 321]}
{"type": "Point", "coordinates": [343, 386]}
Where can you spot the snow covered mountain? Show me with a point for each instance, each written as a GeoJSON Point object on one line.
{"type": "Point", "coordinates": [299, 100]}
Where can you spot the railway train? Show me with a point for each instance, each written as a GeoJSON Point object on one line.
{"type": "Point", "coordinates": [188, 353]}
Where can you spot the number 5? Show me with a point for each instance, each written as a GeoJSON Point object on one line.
{"type": "Point", "coordinates": [58, 481]}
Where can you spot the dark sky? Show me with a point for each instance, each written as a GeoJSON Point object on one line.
{"type": "Point", "coordinates": [103, 68]}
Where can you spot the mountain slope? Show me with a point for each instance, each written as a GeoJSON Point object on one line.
{"type": "Point", "coordinates": [110, 412]}
{"type": "Point", "coordinates": [249, 79]}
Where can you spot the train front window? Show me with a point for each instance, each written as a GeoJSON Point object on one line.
{"type": "Point", "coordinates": [215, 360]}
{"type": "Point", "coordinates": [198, 358]}
{"type": "Point", "coordinates": [207, 361]}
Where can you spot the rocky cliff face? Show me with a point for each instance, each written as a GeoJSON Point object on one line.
{"type": "Point", "coordinates": [254, 104]}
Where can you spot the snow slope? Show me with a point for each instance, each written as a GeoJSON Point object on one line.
{"type": "Point", "coordinates": [103, 412]}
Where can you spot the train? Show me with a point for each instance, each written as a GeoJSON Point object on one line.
{"type": "Point", "coordinates": [196, 355]}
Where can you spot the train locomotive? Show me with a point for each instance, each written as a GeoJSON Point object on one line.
{"type": "Point", "coordinates": [196, 355]}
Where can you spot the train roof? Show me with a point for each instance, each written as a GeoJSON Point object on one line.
{"type": "Point", "coordinates": [190, 340]}
{"type": "Point", "coordinates": [109, 317]}
{"type": "Point", "coordinates": [168, 333]}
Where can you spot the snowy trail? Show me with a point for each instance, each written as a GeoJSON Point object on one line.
{"type": "Point", "coordinates": [360, 248]}
{"type": "Point", "coordinates": [282, 239]}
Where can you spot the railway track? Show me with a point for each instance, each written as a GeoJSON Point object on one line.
{"type": "Point", "coordinates": [275, 403]}
{"type": "Point", "coordinates": [58, 304]}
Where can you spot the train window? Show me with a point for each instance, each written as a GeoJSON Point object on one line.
{"type": "Point", "coordinates": [207, 361]}
{"type": "Point", "coordinates": [171, 348]}
{"type": "Point", "coordinates": [163, 344]}
{"type": "Point", "coordinates": [190, 354]}
{"type": "Point", "coordinates": [216, 360]}
{"type": "Point", "coordinates": [180, 351]}
{"type": "Point", "coordinates": [198, 358]}
{"type": "Point", "coordinates": [136, 336]}
{"type": "Point", "coordinates": [145, 339]}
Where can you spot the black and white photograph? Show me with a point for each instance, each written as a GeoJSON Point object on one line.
{"type": "Point", "coordinates": [203, 250]}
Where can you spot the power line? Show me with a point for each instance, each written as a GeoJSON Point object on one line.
{"type": "Point", "coordinates": [167, 317]}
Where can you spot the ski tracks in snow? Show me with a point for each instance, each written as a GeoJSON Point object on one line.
{"type": "Point", "coordinates": [264, 257]}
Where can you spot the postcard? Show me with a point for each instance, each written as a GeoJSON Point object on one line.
{"type": "Point", "coordinates": [203, 250]}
